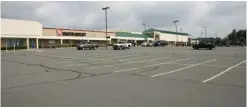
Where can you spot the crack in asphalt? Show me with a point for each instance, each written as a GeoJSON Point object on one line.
{"type": "Point", "coordinates": [41, 65]}
{"type": "Point", "coordinates": [79, 76]}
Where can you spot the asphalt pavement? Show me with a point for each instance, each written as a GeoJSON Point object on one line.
{"type": "Point", "coordinates": [136, 77]}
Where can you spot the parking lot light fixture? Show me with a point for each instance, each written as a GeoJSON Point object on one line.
{"type": "Point", "coordinates": [205, 32]}
{"type": "Point", "coordinates": [144, 24]}
{"type": "Point", "coordinates": [105, 8]}
{"type": "Point", "coordinates": [175, 22]}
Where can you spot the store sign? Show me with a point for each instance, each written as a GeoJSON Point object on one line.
{"type": "Point", "coordinates": [59, 32]}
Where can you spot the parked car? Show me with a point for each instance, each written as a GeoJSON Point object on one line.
{"type": "Point", "coordinates": [129, 44]}
{"type": "Point", "coordinates": [121, 45]}
{"type": "Point", "coordinates": [133, 44]}
{"type": "Point", "coordinates": [87, 45]}
{"type": "Point", "coordinates": [144, 44]}
{"type": "Point", "coordinates": [160, 43]}
{"type": "Point", "coordinates": [150, 44]}
{"type": "Point", "coordinates": [203, 45]}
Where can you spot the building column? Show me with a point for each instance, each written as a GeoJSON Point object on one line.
{"type": "Point", "coordinates": [37, 43]}
{"type": "Point", "coordinates": [110, 41]}
{"type": "Point", "coordinates": [27, 43]}
{"type": "Point", "coordinates": [61, 41]}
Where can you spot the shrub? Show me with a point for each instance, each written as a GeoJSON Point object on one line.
{"type": "Point", "coordinates": [12, 48]}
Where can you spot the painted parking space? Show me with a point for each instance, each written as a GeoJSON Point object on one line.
{"type": "Point", "coordinates": [170, 71]}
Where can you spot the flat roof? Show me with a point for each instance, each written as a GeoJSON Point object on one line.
{"type": "Point", "coordinates": [163, 31]}
{"type": "Point", "coordinates": [77, 29]}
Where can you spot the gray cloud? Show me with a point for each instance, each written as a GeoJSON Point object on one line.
{"type": "Point", "coordinates": [220, 17]}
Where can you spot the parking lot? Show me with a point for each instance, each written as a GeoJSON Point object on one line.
{"type": "Point", "coordinates": [136, 77]}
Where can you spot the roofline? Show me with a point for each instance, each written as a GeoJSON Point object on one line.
{"type": "Point", "coordinates": [34, 21]}
{"type": "Point", "coordinates": [75, 29]}
{"type": "Point", "coordinates": [186, 34]}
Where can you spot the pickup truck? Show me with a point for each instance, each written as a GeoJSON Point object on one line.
{"type": "Point", "coordinates": [121, 45]}
{"type": "Point", "coordinates": [129, 44]}
{"type": "Point", "coordinates": [86, 45]}
{"type": "Point", "coordinates": [204, 45]}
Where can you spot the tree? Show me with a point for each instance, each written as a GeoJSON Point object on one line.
{"type": "Point", "coordinates": [236, 37]}
{"type": "Point", "coordinates": [218, 41]}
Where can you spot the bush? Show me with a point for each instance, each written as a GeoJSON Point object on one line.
{"type": "Point", "coordinates": [12, 48]}
{"type": "Point", "coordinates": [73, 45]}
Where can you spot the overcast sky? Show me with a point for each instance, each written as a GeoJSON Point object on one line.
{"type": "Point", "coordinates": [219, 17]}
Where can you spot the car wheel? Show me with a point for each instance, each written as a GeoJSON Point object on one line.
{"type": "Point", "coordinates": [94, 48]}
{"type": "Point", "coordinates": [210, 48]}
{"type": "Point", "coordinates": [82, 48]}
{"type": "Point", "coordinates": [78, 48]}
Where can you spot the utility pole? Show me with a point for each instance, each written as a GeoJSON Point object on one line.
{"type": "Point", "coordinates": [205, 32]}
{"type": "Point", "coordinates": [201, 36]}
{"type": "Point", "coordinates": [175, 21]}
{"type": "Point", "coordinates": [105, 8]}
{"type": "Point", "coordinates": [144, 24]}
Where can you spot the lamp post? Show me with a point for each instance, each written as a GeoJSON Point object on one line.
{"type": "Point", "coordinates": [105, 8]}
{"type": "Point", "coordinates": [205, 32]}
{"type": "Point", "coordinates": [175, 21]}
{"type": "Point", "coordinates": [144, 24]}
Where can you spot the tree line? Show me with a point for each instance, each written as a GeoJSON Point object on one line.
{"type": "Point", "coordinates": [235, 38]}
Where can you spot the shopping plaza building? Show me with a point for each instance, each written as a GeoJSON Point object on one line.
{"type": "Point", "coordinates": [32, 34]}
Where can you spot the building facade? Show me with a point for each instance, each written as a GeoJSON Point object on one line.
{"type": "Point", "coordinates": [33, 35]}
{"type": "Point", "coordinates": [169, 36]}
{"type": "Point", "coordinates": [19, 32]}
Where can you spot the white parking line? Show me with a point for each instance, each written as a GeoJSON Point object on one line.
{"type": "Point", "coordinates": [71, 58]}
{"type": "Point", "coordinates": [114, 57]}
{"type": "Point", "coordinates": [182, 68]}
{"type": "Point", "coordinates": [152, 65]}
{"type": "Point", "coordinates": [126, 63]}
{"type": "Point", "coordinates": [97, 61]}
{"type": "Point", "coordinates": [74, 64]}
{"type": "Point", "coordinates": [133, 58]}
{"type": "Point", "coordinates": [215, 76]}
{"type": "Point", "coordinates": [207, 65]}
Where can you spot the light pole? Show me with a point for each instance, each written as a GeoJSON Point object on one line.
{"type": "Point", "coordinates": [105, 8]}
{"type": "Point", "coordinates": [144, 24]}
{"type": "Point", "coordinates": [175, 21]}
{"type": "Point", "coordinates": [205, 32]}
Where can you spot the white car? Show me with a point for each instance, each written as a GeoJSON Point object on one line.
{"type": "Point", "coordinates": [121, 45]}
{"type": "Point", "coordinates": [129, 44]}
{"type": "Point", "coordinates": [144, 44]}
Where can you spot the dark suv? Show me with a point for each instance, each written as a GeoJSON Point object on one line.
{"type": "Point", "coordinates": [160, 43]}
{"type": "Point", "coordinates": [203, 45]}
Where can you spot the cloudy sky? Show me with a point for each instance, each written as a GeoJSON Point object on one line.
{"type": "Point", "coordinates": [219, 17]}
